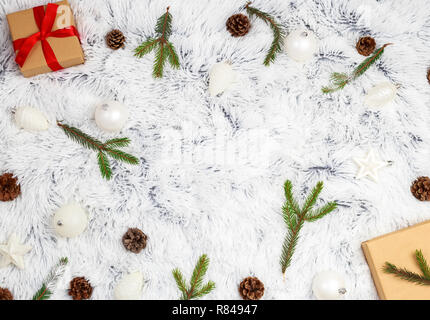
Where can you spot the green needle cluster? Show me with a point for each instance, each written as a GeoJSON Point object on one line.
{"type": "Point", "coordinates": [164, 50]}
{"type": "Point", "coordinates": [195, 289]}
{"type": "Point", "coordinates": [295, 217]}
{"type": "Point", "coordinates": [109, 148]}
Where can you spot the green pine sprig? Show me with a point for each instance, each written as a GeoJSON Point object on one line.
{"type": "Point", "coordinates": [295, 217]}
{"type": "Point", "coordinates": [196, 289]}
{"type": "Point", "coordinates": [340, 80]}
{"type": "Point", "coordinates": [164, 50]}
{"type": "Point", "coordinates": [410, 276]}
{"type": "Point", "coordinates": [277, 29]}
{"type": "Point", "coordinates": [45, 292]}
{"type": "Point", "coordinates": [109, 148]}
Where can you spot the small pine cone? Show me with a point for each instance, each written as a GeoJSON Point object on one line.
{"type": "Point", "coordinates": [421, 188]}
{"type": "Point", "coordinates": [9, 189]}
{"type": "Point", "coordinates": [134, 240]}
{"type": "Point", "coordinates": [428, 75]}
{"type": "Point", "coordinates": [365, 46]}
{"type": "Point", "coordinates": [5, 294]}
{"type": "Point", "coordinates": [251, 288]}
{"type": "Point", "coordinates": [115, 39]}
{"type": "Point", "coordinates": [238, 25]}
{"type": "Point", "coordinates": [80, 289]}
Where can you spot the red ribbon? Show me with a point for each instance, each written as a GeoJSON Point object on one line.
{"type": "Point", "coordinates": [45, 22]}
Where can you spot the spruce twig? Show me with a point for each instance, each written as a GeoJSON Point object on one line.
{"type": "Point", "coordinates": [196, 289]}
{"type": "Point", "coordinates": [45, 292]}
{"type": "Point", "coordinates": [295, 217]}
{"type": "Point", "coordinates": [340, 80]}
{"type": "Point", "coordinates": [277, 29]}
{"type": "Point", "coordinates": [110, 148]}
{"type": "Point", "coordinates": [165, 51]}
{"type": "Point", "coordinates": [422, 263]}
{"type": "Point", "coordinates": [410, 276]}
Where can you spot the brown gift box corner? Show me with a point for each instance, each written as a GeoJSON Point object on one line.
{"type": "Point", "coordinates": [67, 50]}
{"type": "Point", "coordinates": [398, 248]}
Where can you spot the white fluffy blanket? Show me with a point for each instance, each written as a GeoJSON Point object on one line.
{"type": "Point", "coordinates": [212, 168]}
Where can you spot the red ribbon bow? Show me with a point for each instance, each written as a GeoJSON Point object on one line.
{"type": "Point", "coordinates": [45, 22]}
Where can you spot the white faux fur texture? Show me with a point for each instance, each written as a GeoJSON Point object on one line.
{"type": "Point", "coordinates": [212, 168]}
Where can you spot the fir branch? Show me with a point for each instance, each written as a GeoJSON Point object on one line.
{"type": "Point", "coordinates": [160, 61]}
{"type": "Point", "coordinates": [322, 212]}
{"type": "Point", "coordinates": [180, 282]}
{"type": "Point", "coordinates": [295, 217]}
{"type": "Point", "coordinates": [205, 290]}
{"type": "Point", "coordinates": [117, 143]}
{"type": "Point", "coordinates": [104, 165]}
{"type": "Point", "coordinates": [289, 216]}
{"type": "Point", "coordinates": [195, 290]}
{"type": "Point", "coordinates": [198, 274]}
{"type": "Point", "coordinates": [122, 156]}
{"type": "Point", "coordinates": [146, 47]}
{"type": "Point", "coordinates": [277, 29]}
{"type": "Point", "coordinates": [410, 276]}
{"type": "Point", "coordinates": [340, 80]}
{"type": "Point", "coordinates": [289, 247]}
{"type": "Point", "coordinates": [42, 294]}
{"type": "Point", "coordinates": [405, 274]}
{"type": "Point", "coordinates": [172, 55]}
{"type": "Point", "coordinates": [103, 149]}
{"type": "Point", "coordinates": [45, 292]}
{"type": "Point", "coordinates": [369, 61]}
{"type": "Point", "coordinates": [312, 198]}
{"type": "Point", "coordinates": [292, 203]}
{"type": "Point", "coordinates": [80, 137]}
{"type": "Point", "coordinates": [165, 51]}
{"type": "Point", "coordinates": [422, 263]}
{"type": "Point", "coordinates": [163, 28]}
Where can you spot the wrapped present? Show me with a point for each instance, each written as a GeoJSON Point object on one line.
{"type": "Point", "coordinates": [398, 248]}
{"type": "Point", "coordinates": [45, 39]}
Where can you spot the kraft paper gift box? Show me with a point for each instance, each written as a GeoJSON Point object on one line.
{"type": "Point", "coordinates": [57, 45]}
{"type": "Point", "coordinates": [398, 248]}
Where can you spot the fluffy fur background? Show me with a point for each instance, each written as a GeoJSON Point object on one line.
{"type": "Point", "coordinates": [213, 168]}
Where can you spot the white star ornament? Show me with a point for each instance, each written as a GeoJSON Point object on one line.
{"type": "Point", "coordinates": [13, 252]}
{"type": "Point", "coordinates": [370, 166]}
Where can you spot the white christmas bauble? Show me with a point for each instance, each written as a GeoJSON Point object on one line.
{"type": "Point", "coordinates": [221, 77]}
{"type": "Point", "coordinates": [301, 45]}
{"type": "Point", "coordinates": [129, 287]}
{"type": "Point", "coordinates": [70, 220]}
{"type": "Point", "coordinates": [329, 285]}
{"type": "Point", "coordinates": [380, 95]}
{"type": "Point", "coordinates": [111, 116]}
{"type": "Point", "coordinates": [31, 119]}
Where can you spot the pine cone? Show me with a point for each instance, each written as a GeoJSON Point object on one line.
{"type": "Point", "coordinates": [365, 46]}
{"type": "Point", "coordinates": [80, 289]}
{"type": "Point", "coordinates": [115, 39]}
{"type": "Point", "coordinates": [238, 25]}
{"type": "Point", "coordinates": [9, 189]}
{"type": "Point", "coordinates": [428, 75]}
{"type": "Point", "coordinates": [251, 288]}
{"type": "Point", "coordinates": [421, 188]}
{"type": "Point", "coordinates": [5, 294]}
{"type": "Point", "coordinates": [134, 240]}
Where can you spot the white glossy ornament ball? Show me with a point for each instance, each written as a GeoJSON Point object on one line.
{"type": "Point", "coordinates": [70, 221]}
{"type": "Point", "coordinates": [221, 77]}
{"type": "Point", "coordinates": [329, 285]}
{"type": "Point", "coordinates": [111, 116]}
{"type": "Point", "coordinates": [301, 45]}
{"type": "Point", "coordinates": [129, 287]}
{"type": "Point", "coordinates": [30, 119]}
{"type": "Point", "coordinates": [380, 95]}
